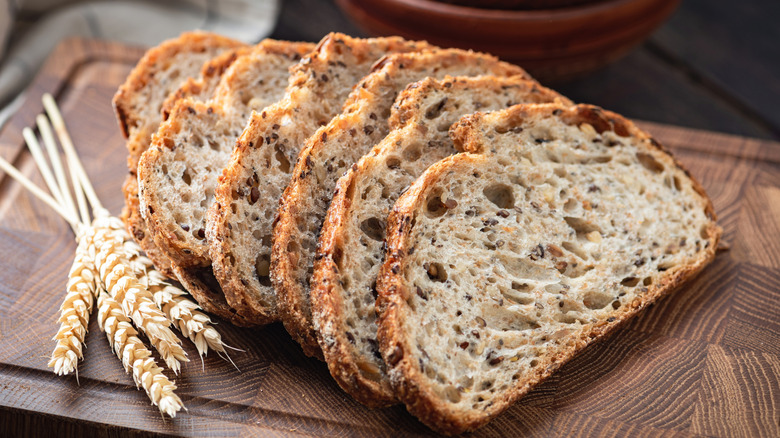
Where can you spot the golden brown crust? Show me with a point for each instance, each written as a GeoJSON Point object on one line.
{"type": "Point", "coordinates": [393, 291]}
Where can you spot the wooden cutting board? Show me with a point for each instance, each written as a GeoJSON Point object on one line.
{"type": "Point", "coordinates": [705, 361]}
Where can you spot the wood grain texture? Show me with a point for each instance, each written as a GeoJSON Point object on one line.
{"type": "Point", "coordinates": [705, 361]}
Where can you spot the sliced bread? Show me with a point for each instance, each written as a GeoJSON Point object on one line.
{"type": "Point", "coordinates": [330, 152]}
{"type": "Point", "coordinates": [138, 104]}
{"type": "Point", "coordinates": [503, 264]}
{"type": "Point", "coordinates": [240, 221]}
{"type": "Point", "coordinates": [178, 173]}
{"type": "Point", "coordinates": [345, 280]}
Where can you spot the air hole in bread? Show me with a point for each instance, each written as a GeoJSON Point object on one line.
{"type": "Point", "coordinates": [630, 281]}
{"type": "Point", "coordinates": [374, 228]}
{"type": "Point", "coordinates": [677, 183]}
{"type": "Point", "coordinates": [434, 110]}
{"type": "Point", "coordinates": [598, 159]}
{"type": "Point", "coordinates": [434, 207]}
{"type": "Point", "coordinates": [649, 162]}
{"type": "Point", "coordinates": [213, 144]}
{"type": "Point", "coordinates": [616, 304]}
{"type": "Point", "coordinates": [570, 205]}
{"type": "Point", "coordinates": [452, 393]}
{"type": "Point", "coordinates": [595, 300]}
{"type": "Point", "coordinates": [263, 269]}
{"type": "Point", "coordinates": [165, 169]}
{"type": "Point", "coordinates": [552, 156]}
{"type": "Point", "coordinates": [435, 271]}
{"type": "Point", "coordinates": [560, 172]}
{"type": "Point", "coordinates": [575, 249]}
{"type": "Point", "coordinates": [186, 177]}
{"type": "Point", "coordinates": [582, 227]}
{"type": "Point", "coordinates": [338, 256]}
{"type": "Point", "coordinates": [533, 363]}
{"type": "Point", "coordinates": [500, 194]}
{"type": "Point", "coordinates": [521, 287]}
{"type": "Point", "coordinates": [647, 281]}
{"type": "Point", "coordinates": [393, 162]}
{"type": "Point", "coordinates": [412, 153]}
{"type": "Point", "coordinates": [284, 163]}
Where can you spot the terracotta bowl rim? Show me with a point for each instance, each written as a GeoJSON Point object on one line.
{"type": "Point", "coordinates": [458, 11]}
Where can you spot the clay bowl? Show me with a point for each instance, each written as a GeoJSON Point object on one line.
{"type": "Point", "coordinates": [551, 44]}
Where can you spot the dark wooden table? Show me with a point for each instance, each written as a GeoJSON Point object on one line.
{"type": "Point", "coordinates": [704, 362]}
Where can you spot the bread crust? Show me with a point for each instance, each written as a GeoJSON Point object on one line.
{"type": "Point", "coordinates": [398, 351]}
{"type": "Point", "coordinates": [260, 165]}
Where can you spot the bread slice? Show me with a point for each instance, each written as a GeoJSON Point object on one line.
{"type": "Point", "coordinates": [345, 281]}
{"type": "Point", "coordinates": [240, 221]}
{"type": "Point", "coordinates": [503, 264]}
{"type": "Point", "coordinates": [138, 103]}
{"type": "Point", "coordinates": [178, 173]}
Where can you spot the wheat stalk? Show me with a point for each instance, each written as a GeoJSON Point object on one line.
{"type": "Point", "coordinates": [185, 313]}
{"type": "Point", "coordinates": [136, 300]}
{"type": "Point", "coordinates": [135, 357]}
{"type": "Point", "coordinates": [75, 309]}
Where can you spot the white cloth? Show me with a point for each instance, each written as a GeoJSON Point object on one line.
{"type": "Point", "coordinates": [24, 48]}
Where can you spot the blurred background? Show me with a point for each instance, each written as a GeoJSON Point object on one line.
{"type": "Point", "coordinates": [706, 64]}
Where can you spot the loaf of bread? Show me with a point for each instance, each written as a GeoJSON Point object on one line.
{"type": "Point", "coordinates": [138, 104]}
{"type": "Point", "coordinates": [178, 174]}
{"type": "Point", "coordinates": [503, 263]}
{"type": "Point", "coordinates": [351, 244]}
{"type": "Point", "coordinates": [241, 220]}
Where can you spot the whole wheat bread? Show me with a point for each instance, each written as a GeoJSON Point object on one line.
{"type": "Point", "coordinates": [503, 264]}
{"type": "Point", "coordinates": [344, 307]}
{"type": "Point", "coordinates": [241, 219]}
{"type": "Point", "coordinates": [138, 103]}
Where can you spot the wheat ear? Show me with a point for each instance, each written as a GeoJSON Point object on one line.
{"type": "Point", "coordinates": [136, 300]}
{"type": "Point", "coordinates": [75, 309]}
{"type": "Point", "coordinates": [185, 313]}
{"type": "Point", "coordinates": [136, 357]}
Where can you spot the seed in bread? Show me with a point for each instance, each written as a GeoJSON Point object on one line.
{"type": "Point", "coordinates": [241, 220]}
{"type": "Point", "coordinates": [503, 264]}
{"type": "Point", "coordinates": [366, 193]}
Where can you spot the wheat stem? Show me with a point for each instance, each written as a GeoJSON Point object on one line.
{"type": "Point", "coordinates": [135, 357]}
